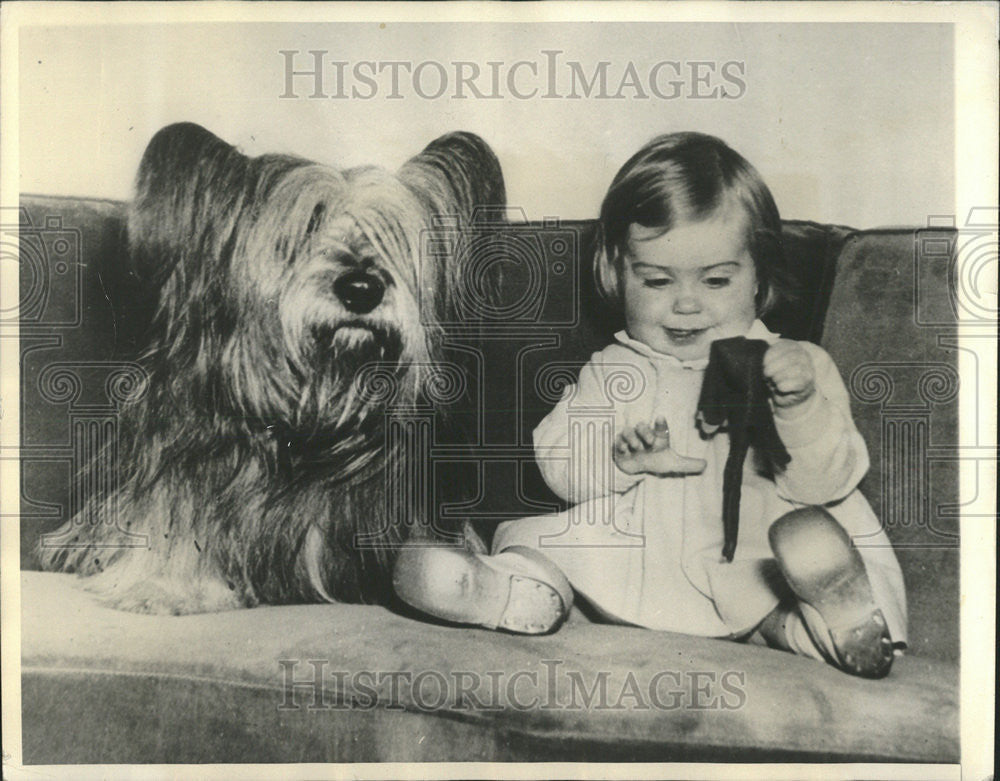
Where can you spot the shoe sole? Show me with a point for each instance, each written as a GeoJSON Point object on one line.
{"type": "Point", "coordinates": [827, 574]}
{"type": "Point", "coordinates": [464, 588]}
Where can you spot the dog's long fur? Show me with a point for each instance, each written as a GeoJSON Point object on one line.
{"type": "Point", "coordinates": [254, 457]}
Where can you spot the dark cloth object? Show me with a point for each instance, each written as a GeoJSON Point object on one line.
{"type": "Point", "coordinates": [734, 394]}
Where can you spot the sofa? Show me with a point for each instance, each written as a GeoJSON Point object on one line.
{"type": "Point", "coordinates": [361, 683]}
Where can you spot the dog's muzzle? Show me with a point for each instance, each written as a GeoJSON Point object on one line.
{"type": "Point", "coordinates": [359, 291]}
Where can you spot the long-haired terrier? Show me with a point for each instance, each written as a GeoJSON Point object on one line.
{"type": "Point", "coordinates": [255, 458]}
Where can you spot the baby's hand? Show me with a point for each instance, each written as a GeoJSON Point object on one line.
{"type": "Point", "coordinates": [789, 374]}
{"type": "Point", "coordinates": [647, 449]}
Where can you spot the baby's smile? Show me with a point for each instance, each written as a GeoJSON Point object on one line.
{"type": "Point", "coordinates": [684, 333]}
{"type": "Point", "coordinates": [684, 337]}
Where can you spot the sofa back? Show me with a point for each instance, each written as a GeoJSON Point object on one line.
{"type": "Point", "coordinates": [879, 301]}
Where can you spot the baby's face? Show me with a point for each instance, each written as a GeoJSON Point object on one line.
{"type": "Point", "coordinates": [690, 286]}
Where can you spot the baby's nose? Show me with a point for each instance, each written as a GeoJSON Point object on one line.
{"type": "Point", "coordinates": [687, 304]}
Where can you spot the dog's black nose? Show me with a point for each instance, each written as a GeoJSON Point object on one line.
{"type": "Point", "coordinates": [360, 292]}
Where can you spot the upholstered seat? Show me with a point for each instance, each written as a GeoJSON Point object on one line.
{"type": "Point", "coordinates": [105, 686]}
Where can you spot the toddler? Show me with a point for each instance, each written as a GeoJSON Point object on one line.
{"type": "Point", "coordinates": [690, 252]}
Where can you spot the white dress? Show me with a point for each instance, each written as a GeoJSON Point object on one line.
{"type": "Point", "coordinates": [647, 550]}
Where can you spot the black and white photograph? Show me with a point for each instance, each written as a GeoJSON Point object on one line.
{"type": "Point", "coordinates": [497, 390]}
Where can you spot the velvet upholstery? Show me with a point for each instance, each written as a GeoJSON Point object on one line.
{"type": "Point", "coordinates": [103, 686]}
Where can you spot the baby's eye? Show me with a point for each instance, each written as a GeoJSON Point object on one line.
{"type": "Point", "coordinates": [717, 282]}
{"type": "Point", "coordinates": [657, 282]}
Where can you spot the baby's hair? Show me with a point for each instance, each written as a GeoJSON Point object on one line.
{"type": "Point", "coordinates": [681, 178]}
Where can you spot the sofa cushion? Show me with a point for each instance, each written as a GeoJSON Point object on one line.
{"type": "Point", "coordinates": [104, 686]}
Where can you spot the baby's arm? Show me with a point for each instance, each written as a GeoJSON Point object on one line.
{"type": "Point", "coordinates": [573, 443]}
{"type": "Point", "coordinates": [813, 417]}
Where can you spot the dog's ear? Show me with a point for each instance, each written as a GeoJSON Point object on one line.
{"type": "Point", "coordinates": [189, 191]}
{"type": "Point", "coordinates": [458, 172]}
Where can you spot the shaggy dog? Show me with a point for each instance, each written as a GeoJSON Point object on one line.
{"type": "Point", "coordinates": [297, 305]}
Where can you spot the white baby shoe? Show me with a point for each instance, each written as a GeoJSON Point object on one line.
{"type": "Point", "coordinates": [518, 590]}
{"type": "Point", "coordinates": [825, 570]}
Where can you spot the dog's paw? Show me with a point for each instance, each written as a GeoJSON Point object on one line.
{"type": "Point", "coordinates": [163, 597]}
